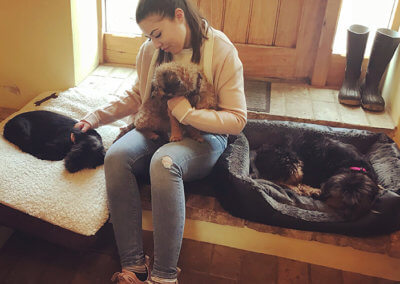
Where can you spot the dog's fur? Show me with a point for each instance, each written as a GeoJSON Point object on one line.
{"type": "Point", "coordinates": [320, 162]}
{"type": "Point", "coordinates": [51, 136]}
{"type": "Point", "coordinates": [172, 80]}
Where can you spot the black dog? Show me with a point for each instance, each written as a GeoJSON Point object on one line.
{"type": "Point", "coordinates": [347, 180]}
{"type": "Point", "coordinates": [51, 136]}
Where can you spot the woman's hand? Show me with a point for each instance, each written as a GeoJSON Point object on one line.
{"type": "Point", "coordinates": [172, 103]}
{"type": "Point", "coordinates": [83, 125]}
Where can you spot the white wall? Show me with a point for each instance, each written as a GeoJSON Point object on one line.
{"type": "Point", "coordinates": [45, 45]}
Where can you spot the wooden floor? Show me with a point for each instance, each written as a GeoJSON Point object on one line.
{"type": "Point", "coordinates": [27, 260]}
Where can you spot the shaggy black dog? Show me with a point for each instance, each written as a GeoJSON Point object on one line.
{"type": "Point", "coordinates": [51, 136]}
{"type": "Point", "coordinates": [347, 180]}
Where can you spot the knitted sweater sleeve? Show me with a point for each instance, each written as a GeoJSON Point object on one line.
{"type": "Point", "coordinates": [231, 116]}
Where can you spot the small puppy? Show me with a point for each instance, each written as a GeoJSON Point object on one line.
{"type": "Point", "coordinates": [172, 80]}
{"type": "Point", "coordinates": [346, 179]}
{"type": "Point", "coordinates": [51, 136]}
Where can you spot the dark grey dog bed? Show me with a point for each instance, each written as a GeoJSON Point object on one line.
{"type": "Point", "coordinates": [266, 202]}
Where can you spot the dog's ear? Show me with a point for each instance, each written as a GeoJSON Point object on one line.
{"type": "Point", "coordinates": [80, 158]}
{"type": "Point", "coordinates": [171, 81]}
{"type": "Point", "coordinates": [73, 160]}
{"type": "Point", "coordinates": [88, 153]}
{"type": "Point", "coordinates": [156, 91]}
{"type": "Point", "coordinates": [199, 79]}
{"type": "Point", "coordinates": [76, 135]}
{"type": "Point", "coordinates": [72, 137]}
{"type": "Point", "coordinates": [153, 89]}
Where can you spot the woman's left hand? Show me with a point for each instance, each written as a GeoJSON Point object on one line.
{"type": "Point", "coordinates": [172, 103]}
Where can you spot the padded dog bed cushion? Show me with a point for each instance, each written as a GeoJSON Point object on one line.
{"type": "Point", "coordinates": [45, 189]}
{"type": "Point", "coordinates": [266, 202]}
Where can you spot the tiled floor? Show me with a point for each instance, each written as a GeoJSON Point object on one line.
{"type": "Point", "coordinates": [299, 102]}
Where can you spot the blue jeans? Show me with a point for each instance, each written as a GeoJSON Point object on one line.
{"type": "Point", "coordinates": [170, 164]}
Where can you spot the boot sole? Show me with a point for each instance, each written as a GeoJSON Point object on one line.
{"type": "Point", "coordinates": [350, 102]}
{"type": "Point", "coordinates": [376, 108]}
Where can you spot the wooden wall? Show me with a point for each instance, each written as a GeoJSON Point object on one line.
{"type": "Point", "coordinates": [288, 39]}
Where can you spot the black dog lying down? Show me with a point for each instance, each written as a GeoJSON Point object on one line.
{"type": "Point", "coordinates": [346, 179]}
{"type": "Point", "coordinates": [51, 136]}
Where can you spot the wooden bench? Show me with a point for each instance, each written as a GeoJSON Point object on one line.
{"type": "Point", "coordinates": [207, 221]}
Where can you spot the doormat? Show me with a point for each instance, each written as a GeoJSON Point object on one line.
{"type": "Point", "coordinates": [258, 95]}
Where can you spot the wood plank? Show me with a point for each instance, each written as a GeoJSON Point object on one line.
{"type": "Point", "coordinates": [321, 66]}
{"type": "Point", "coordinates": [32, 262]}
{"type": "Point", "coordinates": [101, 18]}
{"type": "Point", "coordinates": [396, 19]}
{"type": "Point", "coordinates": [5, 112]}
{"type": "Point", "coordinates": [308, 38]}
{"type": "Point", "coordinates": [396, 137]}
{"type": "Point", "coordinates": [95, 268]}
{"type": "Point", "coordinates": [336, 70]}
{"type": "Point", "coordinates": [261, 61]}
{"type": "Point", "coordinates": [121, 49]}
{"type": "Point", "coordinates": [288, 22]}
{"type": "Point", "coordinates": [213, 11]}
{"type": "Point", "coordinates": [263, 18]}
{"type": "Point", "coordinates": [236, 20]}
{"type": "Point", "coordinates": [10, 255]}
{"type": "Point", "coordinates": [290, 269]}
{"type": "Point", "coordinates": [195, 2]}
{"type": "Point", "coordinates": [326, 275]}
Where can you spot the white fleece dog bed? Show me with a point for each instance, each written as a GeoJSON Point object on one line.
{"type": "Point", "coordinates": [45, 189]}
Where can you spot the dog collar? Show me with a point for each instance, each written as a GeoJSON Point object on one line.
{"type": "Point", "coordinates": [358, 169]}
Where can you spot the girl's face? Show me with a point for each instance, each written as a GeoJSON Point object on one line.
{"type": "Point", "coordinates": [169, 35]}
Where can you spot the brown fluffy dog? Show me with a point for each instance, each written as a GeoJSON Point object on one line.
{"type": "Point", "coordinates": [172, 80]}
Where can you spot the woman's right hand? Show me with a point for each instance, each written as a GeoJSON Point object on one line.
{"type": "Point", "coordinates": [83, 125]}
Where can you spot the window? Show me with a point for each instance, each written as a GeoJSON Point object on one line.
{"type": "Point", "coordinates": [120, 17]}
{"type": "Point", "coordinates": [371, 13]}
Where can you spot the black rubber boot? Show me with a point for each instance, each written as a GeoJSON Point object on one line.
{"type": "Point", "coordinates": [385, 44]}
{"type": "Point", "coordinates": [357, 36]}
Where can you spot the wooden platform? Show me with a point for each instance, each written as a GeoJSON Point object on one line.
{"type": "Point", "coordinates": [25, 259]}
{"type": "Point", "coordinates": [219, 248]}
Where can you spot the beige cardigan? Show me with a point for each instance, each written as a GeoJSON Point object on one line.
{"type": "Point", "coordinates": [222, 67]}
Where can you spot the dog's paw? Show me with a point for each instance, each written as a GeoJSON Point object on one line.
{"type": "Point", "coordinates": [199, 139]}
{"type": "Point", "coordinates": [153, 136]}
{"type": "Point", "coordinates": [175, 138]}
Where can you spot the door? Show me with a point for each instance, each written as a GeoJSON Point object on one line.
{"type": "Point", "coordinates": [277, 38]}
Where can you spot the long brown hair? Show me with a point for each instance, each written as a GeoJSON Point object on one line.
{"type": "Point", "coordinates": [166, 8]}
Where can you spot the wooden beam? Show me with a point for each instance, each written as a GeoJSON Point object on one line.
{"type": "Point", "coordinates": [321, 65]}
{"type": "Point", "coordinates": [262, 22]}
{"type": "Point", "coordinates": [121, 49]}
{"type": "Point", "coordinates": [288, 22]}
{"type": "Point", "coordinates": [396, 20]}
{"type": "Point", "coordinates": [397, 134]}
{"type": "Point", "coordinates": [260, 61]}
{"type": "Point", "coordinates": [236, 20]}
{"type": "Point", "coordinates": [310, 26]}
{"type": "Point", "coordinates": [213, 11]}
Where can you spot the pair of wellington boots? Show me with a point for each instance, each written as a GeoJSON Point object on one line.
{"type": "Point", "coordinates": [367, 93]}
